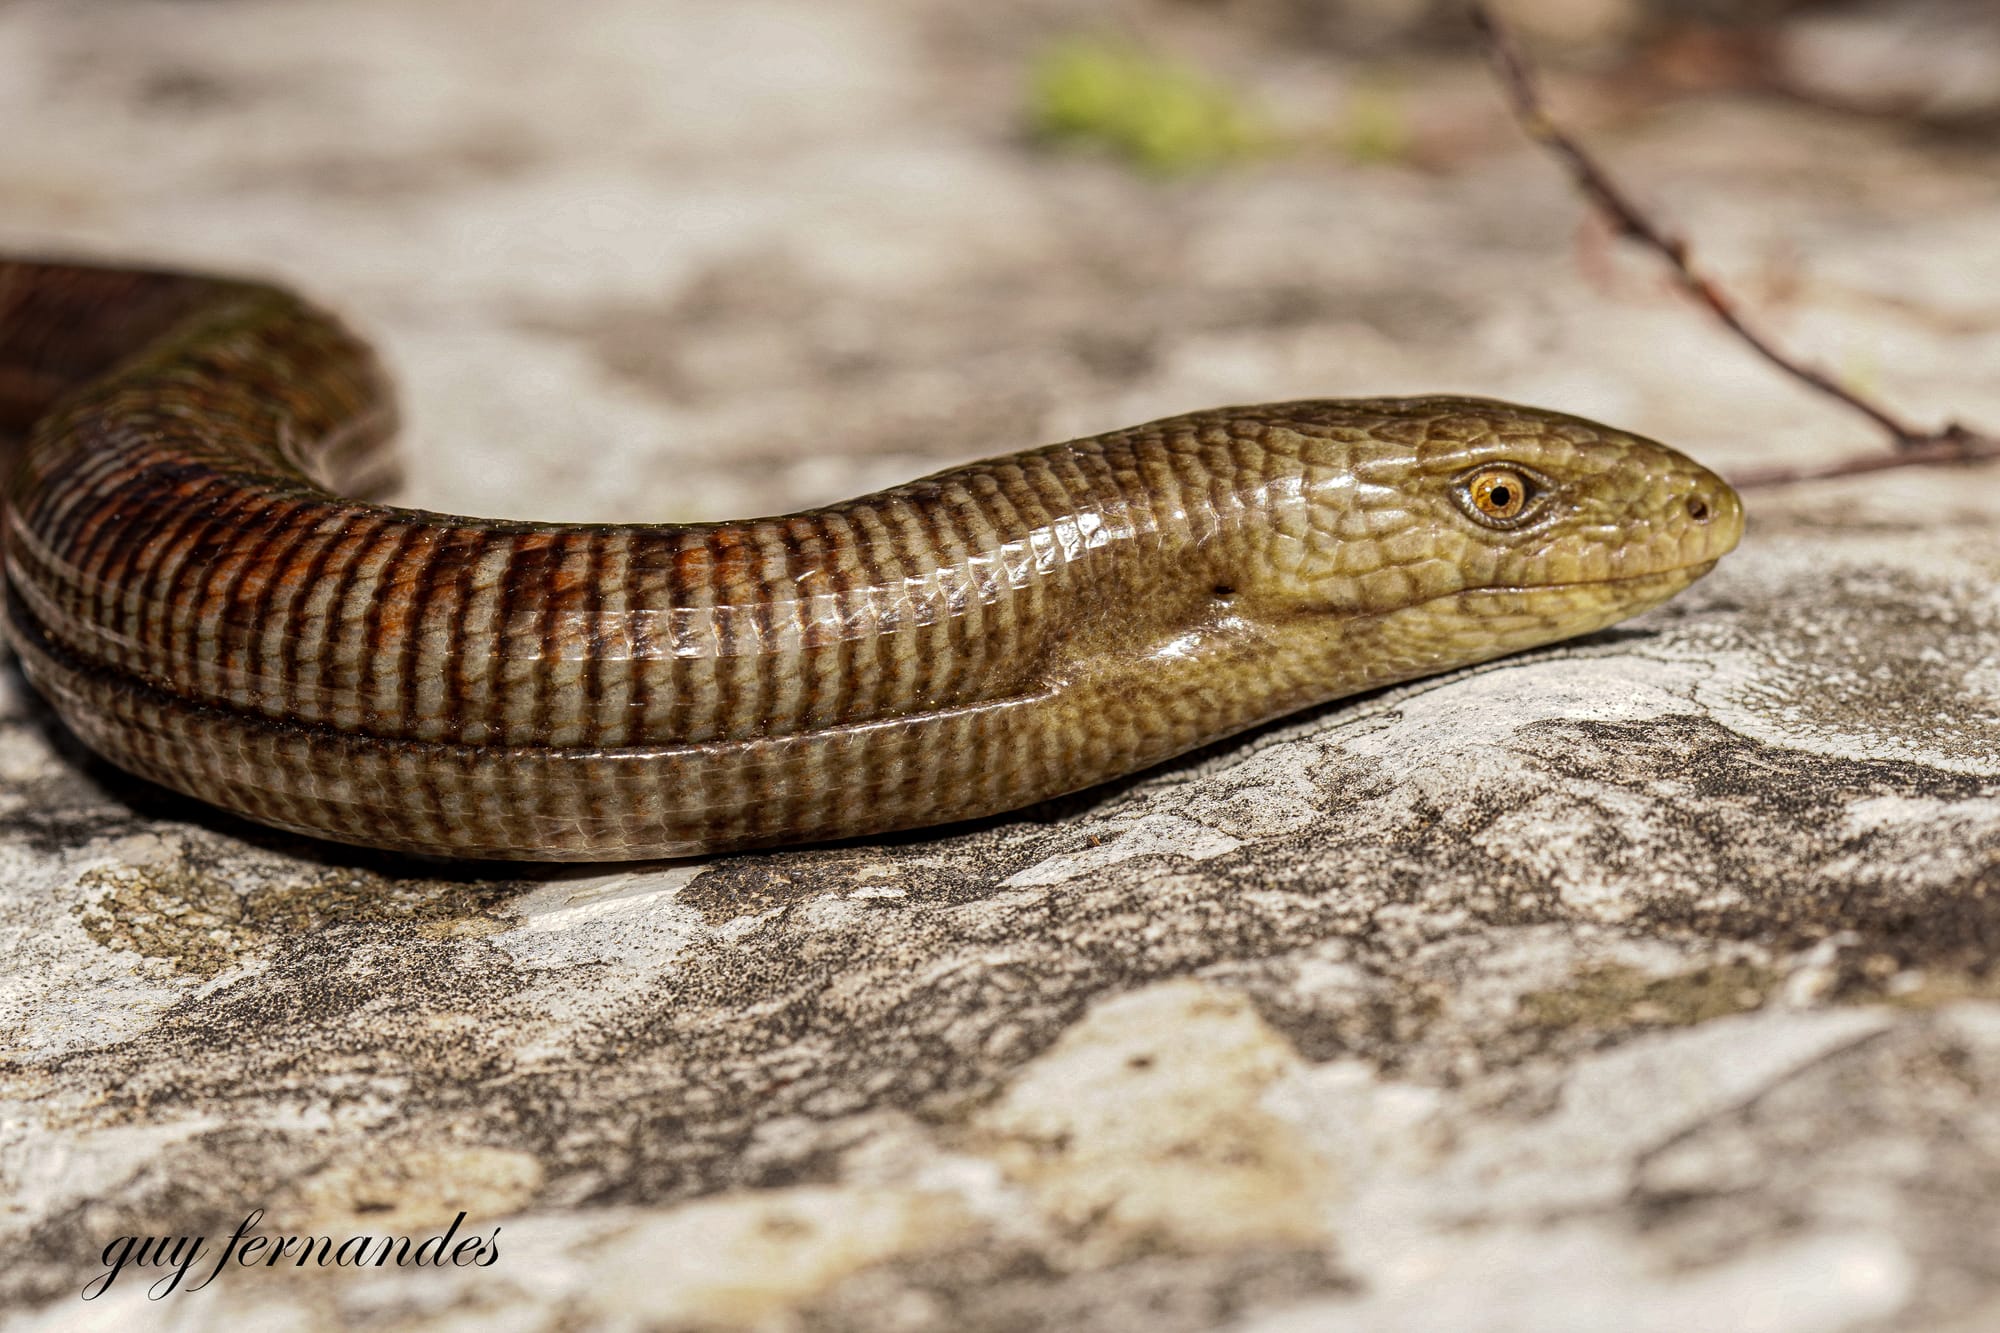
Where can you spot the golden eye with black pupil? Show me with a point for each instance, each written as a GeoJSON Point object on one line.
{"type": "Point", "coordinates": [1498, 494]}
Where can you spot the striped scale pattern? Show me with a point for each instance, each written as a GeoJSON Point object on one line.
{"type": "Point", "coordinates": [193, 586]}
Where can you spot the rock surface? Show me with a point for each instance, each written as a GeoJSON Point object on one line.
{"type": "Point", "coordinates": [1648, 974]}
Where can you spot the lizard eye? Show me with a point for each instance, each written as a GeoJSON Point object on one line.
{"type": "Point", "coordinates": [1499, 497]}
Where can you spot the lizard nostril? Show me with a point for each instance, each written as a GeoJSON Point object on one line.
{"type": "Point", "coordinates": [1697, 509]}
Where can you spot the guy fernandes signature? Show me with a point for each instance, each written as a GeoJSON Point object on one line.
{"type": "Point", "coordinates": [175, 1257]}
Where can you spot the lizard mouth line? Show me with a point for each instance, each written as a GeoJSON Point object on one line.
{"type": "Point", "coordinates": [1690, 572]}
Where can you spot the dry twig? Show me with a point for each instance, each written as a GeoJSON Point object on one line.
{"type": "Point", "coordinates": [1911, 445]}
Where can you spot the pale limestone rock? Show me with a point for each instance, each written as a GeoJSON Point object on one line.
{"type": "Point", "coordinates": [1143, 1127]}
{"type": "Point", "coordinates": [1651, 973]}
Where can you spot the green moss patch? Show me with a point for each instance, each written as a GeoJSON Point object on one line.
{"type": "Point", "coordinates": [1615, 997]}
{"type": "Point", "coordinates": [204, 923]}
{"type": "Point", "coordinates": [1162, 116]}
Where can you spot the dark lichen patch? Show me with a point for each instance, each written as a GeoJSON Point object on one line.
{"type": "Point", "coordinates": [1907, 1111]}
{"type": "Point", "coordinates": [347, 1037]}
{"type": "Point", "coordinates": [1330, 1002]}
{"type": "Point", "coordinates": [1914, 947]}
{"type": "Point", "coordinates": [185, 917]}
{"type": "Point", "coordinates": [1880, 979]}
{"type": "Point", "coordinates": [925, 1004]}
{"type": "Point", "coordinates": [195, 1187]}
{"type": "Point", "coordinates": [203, 920]}
{"type": "Point", "coordinates": [1001, 1288]}
{"type": "Point", "coordinates": [929, 1002]}
{"type": "Point", "coordinates": [750, 886]}
{"type": "Point", "coordinates": [1876, 655]}
{"type": "Point", "coordinates": [1713, 833]}
{"type": "Point", "coordinates": [1376, 1028]}
{"type": "Point", "coordinates": [1675, 827]}
{"type": "Point", "coordinates": [955, 865]}
{"type": "Point", "coordinates": [74, 799]}
{"type": "Point", "coordinates": [1615, 998]}
{"type": "Point", "coordinates": [1735, 840]}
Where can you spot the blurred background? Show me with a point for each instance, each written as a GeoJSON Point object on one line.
{"type": "Point", "coordinates": [662, 259]}
{"type": "Point", "coordinates": [1653, 974]}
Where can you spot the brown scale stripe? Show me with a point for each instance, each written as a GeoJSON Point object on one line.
{"type": "Point", "coordinates": [200, 602]}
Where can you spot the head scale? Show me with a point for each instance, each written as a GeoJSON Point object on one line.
{"type": "Point", "coordinates": [1455, 529]}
